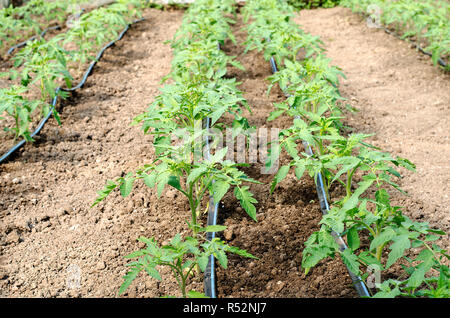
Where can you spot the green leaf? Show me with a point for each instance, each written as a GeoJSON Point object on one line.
{"type": "Point", "coordinates": [127, 186]}
{"type": "Point", "coordinates": [291, 148]}
{"type": "Point", "coordinates": [153, 272]}
{"type": "Point", "coordinates": [222, 258]}
{"type": "Point", "coordinates": [351, 261]}
{"type": "Point", "coordinates": [281, 174]}
{"type": "Point", "coordinates": [174, 181]}
{"type": "Point", "coordinates": [214, 228]}
{"type": "Point", "coordinates": [219, 155]}
{"type": "Point", "coordinates": [353, 238]}
{"type": "Point", "coordinates": [129, 278]}
{"type": "Point", "coordinates": [149, 180]}
{"type": "Point", "coordinates": [240, 252]}
{"type": "Point", "coordinates": [219, 189]}
{"type": "Point", "coordinates": [275, 114]}
{"type": "Point", "coordinates": [354, 199]}
{"type": "Point", "coordinates": [385, 236]}
{"type": "Point", "coordinates": [401, 243]}
{"type": "Point", "coordinates": [195, 294]}
{"type": "Point", "coordinates": [246, 199]}
{"type": "Point", "coordinates": [313, 255]}
{"type": "Point", "coordinates": [202, 262]}
{"type": "Point", "coordinates": [195, 173]}
{"type": "Point", "coordinates": [418, 276]}
{"type": "Point", "coordinates": [300, 167]}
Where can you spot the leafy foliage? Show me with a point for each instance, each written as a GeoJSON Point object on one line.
{"type": "Point", "coordinates": [316, 144]}
{"type": "Point", "coordinates": [176, 120]}
{"type": "Point", "coordinates": [426, 21]}
{"type": "Point", "coordinates": [45, 64]}
{"type": "Point", "coordinates": [182, 256]}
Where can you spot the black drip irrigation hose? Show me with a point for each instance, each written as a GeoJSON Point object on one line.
{"type": "Point", "coordinates": [417, 46]}
{"type": "Point", "coordinates": [81, 84]}
{"type": "Point", "coordinates": [209, 281]}
{"type": "Point", "coordinates": [56, 27]}
{"type": "Point", "coordinates": [324, 207]}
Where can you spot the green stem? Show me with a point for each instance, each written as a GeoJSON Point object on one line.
{"type": "Point", "coordinates": [379, 251]}
{"type": "Point", "coordinates": [193, 207]}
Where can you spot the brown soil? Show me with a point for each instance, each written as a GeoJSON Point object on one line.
{"type": "Point", "coordinates": [49, 233]}
{"type": "Point", "coordinates": [401, 97]}
{"type": "Point", "coordinates": [47, 224]}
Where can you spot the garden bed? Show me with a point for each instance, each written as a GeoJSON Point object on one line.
{"type": "Point", "coordinates": [54, 245]}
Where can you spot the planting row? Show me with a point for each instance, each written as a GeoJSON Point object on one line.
{"type": "Point", "coordinates": [426, 22]}
{"type": "Point", "coordinates": [43, 66]}
{"type": "Point", "coordinates": [176, 119]}
{"type": "Point", "coordinates": [22, 22]}
{"type": "Point", "coordinates": [200, 93]}
{"type": "Point", "coordinates": [364, 212]}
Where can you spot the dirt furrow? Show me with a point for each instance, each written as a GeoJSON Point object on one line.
{"type": "Point", "coordinates": [401, 97]}
{"type": "Point", "coordinates": [52, 242]}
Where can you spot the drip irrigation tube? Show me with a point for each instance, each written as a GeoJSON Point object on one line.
{"type": "Point", "coordinates": [417, 46]}
{"type": "Point", "coordinates": [81, 84]}
{"type": "Point", "coordinates": [209, 281]}
{"type": "Point", "coordinates": [56, 27]}
{"type": "Point", "coordinates": [440, 61]}
{"type": "Point", "coordinates": [324, 207]}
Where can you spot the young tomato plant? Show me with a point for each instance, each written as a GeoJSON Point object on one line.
{"type": "Point", "coordinates": [20, 109]}
{"type": "Point", "coordinates": [181, 256]}
{"type": "Point", "coordinates": [44, 64]}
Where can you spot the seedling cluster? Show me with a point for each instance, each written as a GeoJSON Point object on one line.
{"type": "Point", "coordinates": [44, 65]}
{"type": "Point", "coordinates": [22, 22]}
{"type": "Point", "coordinates": [424, 22]}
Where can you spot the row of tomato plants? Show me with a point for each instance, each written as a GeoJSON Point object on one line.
{"type": "Point", "coordinates": [176, 119]}
{"type": "Point", "coordinates": [43, 65]}
{"type": "Point", "coordinates": [426, 21]}
{"type": "Point", "coordinates": [19, 23]}
{"type": "Point", "coordinates": [379, 235]}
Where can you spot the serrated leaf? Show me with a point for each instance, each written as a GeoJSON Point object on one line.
{"type": "Point", "coordinates": [195, 173]}
{"type": "Point", "coordinates": [353, 238]}
{"type": "Point", "coordinates": [354, 199]}
{"type": "Point", "coordinates": [149, 180]}
{"type": "Point", "coordinates": [401, 243]}
{"type": "Point", "coordinates": [351, 261]}
{"type": "Point", "coordinates": [129, 278]}
{"type": "Point", "coordinates": [300, 168]}
{"type": "Point", "coordinates": [202, 262]}
{"type": "Point", "coordinates": [153, 272]}
{"type": "Point", "coordinates": [281, 174]}
{"type": "Point", "coordinates": [127, 186]}
{"type": "Point", "coordinates": [385, 236]}
{"type": "Point", "coordinates": [219, 189]}
{"type": "Point", "coordinates": [313, 255]}
{"type": "Point", "coordinates": [246, 199]}
{"type": "Point", "coordinates": [240, 252]}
